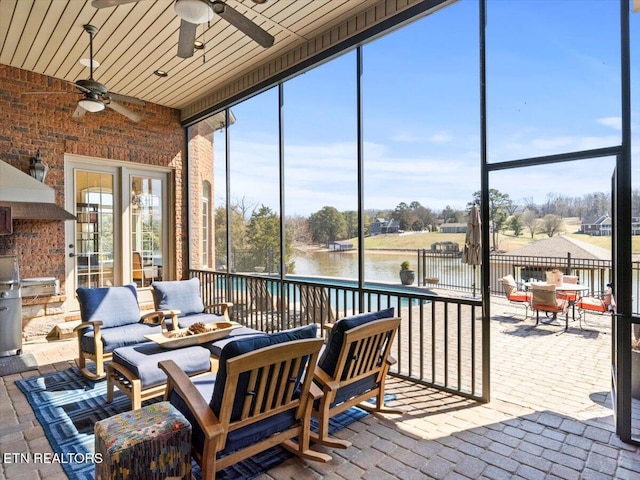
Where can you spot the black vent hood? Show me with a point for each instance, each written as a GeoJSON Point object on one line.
{"type": "Point", "coordinates": [28, 198]}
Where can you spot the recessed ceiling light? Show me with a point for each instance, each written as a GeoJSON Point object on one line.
{"type": "Point", "coordinates": [86, 62]}
{"type": "Point", "coordinates": [259, 2]}
{"type": "Point", "coordinates": [198, 45]}
{"type": "Point", "coordinates": [161, 73]}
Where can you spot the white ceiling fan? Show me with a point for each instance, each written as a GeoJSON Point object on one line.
{"type": "Point", "coordinates": [194, 12]}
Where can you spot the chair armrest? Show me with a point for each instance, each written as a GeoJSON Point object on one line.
{"type": "Point", "coordinates": [96, 324]}
{"type": "Point", "coordinates": [223, 306]}
{"type": "Point", "coordinates": [391, 360]}
{"type": "Point", "coordinates": [315, 392]}
{"type": "Point", "coordinates": [156, 318]}
{"type": "Point", "coordinates": [179, 381]}
{"type": "Point", "coordinates": [328, 326]}
{"type": "Point", "coordinates": [321, 376]}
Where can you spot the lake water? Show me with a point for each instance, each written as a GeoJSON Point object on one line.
{"type": "Point", "coordinates": [378, 267]}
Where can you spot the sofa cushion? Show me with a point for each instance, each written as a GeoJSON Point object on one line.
{"type": "Point", "coordinates": [249, 344]}
{"type": "Point", "coordinates": [329, 358]}
{"type": "Point", "coordinates": [183, 295]}
{"type": "Point", "coordinates": [123, 336]}
{"type": "Point", "coordinates": [142, 360]}
{"type": "Point", "coordinates": [188, 320]}
{"type": "Point", "coordinates": [115, 306]}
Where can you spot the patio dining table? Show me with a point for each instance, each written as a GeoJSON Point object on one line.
{"type": "Point", "coordinates": [564, 287]}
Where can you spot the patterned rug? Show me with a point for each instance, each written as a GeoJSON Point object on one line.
{"type": "Point", "coordinates": [67, 405]}
{"type": "Point", "coordinates": [17, 364]}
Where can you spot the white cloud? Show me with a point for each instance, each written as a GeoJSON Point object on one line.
{"type": "Point", "coordinates": [613, 122]}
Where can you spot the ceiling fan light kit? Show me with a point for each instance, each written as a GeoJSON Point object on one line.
{"type": "Point", "coordinates": [91, 105]}
{"type": "Point", "coordinates": [193, 11]}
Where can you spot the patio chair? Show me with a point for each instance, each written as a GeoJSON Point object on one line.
{"type": "Point", "coordinates": [544, 298]}
{"type": "Point", "coordinates": [259, 398]}
{"type": "Point", "coordinates": [571, 297]}
{"type": "Point", "coordinates": [514, 295]}
{"type": "Point", "coordinates": [181, 302]}
{"type": "Point", "coordinates": [315, 305]}
{"type": "Point", "coordinates": [602, 303]}
{"type": "Point", "coordinates": [265, 306]}
{"type": "Point", "coordinates": [111, 318]}
{"type": "Point", "coordinates": [353, 368]}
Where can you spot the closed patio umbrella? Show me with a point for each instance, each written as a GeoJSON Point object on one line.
{"type": "Point", "coordinates": [472, 243]}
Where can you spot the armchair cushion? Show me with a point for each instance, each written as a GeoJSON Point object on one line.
{"type": "Point", "coordinates": [188, 320]}
{"type": "Point", "coordinates": [123, 336]}
{"type": "Point", "coordinates": [329, 357]}
{"type": "Point", "coordinates": [114, 306]}
{"type": "Point", "coordinates": [183, 295]}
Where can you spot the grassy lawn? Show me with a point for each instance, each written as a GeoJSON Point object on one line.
{"type": "Point", "coordinates": [506, 241]}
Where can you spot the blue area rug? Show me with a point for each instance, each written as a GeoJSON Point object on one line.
{"type": "Point", "coordinates": [67, 406]}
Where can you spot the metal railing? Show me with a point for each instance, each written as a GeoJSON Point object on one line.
{"type": "Point", "coordinates": [439, 344]}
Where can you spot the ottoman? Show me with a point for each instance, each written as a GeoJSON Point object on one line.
{"type": "Point", "coordinates": [134, 369]}
{"type": "Point", "coordinates": [153, 442]}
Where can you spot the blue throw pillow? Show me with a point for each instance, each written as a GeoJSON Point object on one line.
{"type": "Point", "coordinates": [183, 295]}
{"type": "Point", "coordinates": [115, 306]}
{"type": "Point", "coordinates": [329, 358]}
{"type": "Point", "coordinates": [245, 345]}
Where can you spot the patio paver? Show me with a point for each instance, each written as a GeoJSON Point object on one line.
{"type": "Point", "coordinates": [550, 416]}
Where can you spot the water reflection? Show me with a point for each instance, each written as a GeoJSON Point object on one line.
{"type": "Point", "coordinates": [378, 267]}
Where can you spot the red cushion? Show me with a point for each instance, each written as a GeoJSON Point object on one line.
{"type": "Point", "coordinates": [591, 303]}
{"type": "Point", "coordinates": [519, 297]}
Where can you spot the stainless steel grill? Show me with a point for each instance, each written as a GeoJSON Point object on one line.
{"type": "Point", "coordinates": [10, 307]}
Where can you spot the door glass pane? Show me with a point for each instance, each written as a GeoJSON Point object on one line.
{"type": "Point", "coordinates": [94, 229]}
{"type": "Point", "coordinates": [147, 219]}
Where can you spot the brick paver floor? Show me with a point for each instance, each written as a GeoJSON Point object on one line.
{"type": "Point", "coordinates": [549, 417]}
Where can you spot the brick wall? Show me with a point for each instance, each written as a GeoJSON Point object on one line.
{"type": "Point", "coordinates": [35, 121]}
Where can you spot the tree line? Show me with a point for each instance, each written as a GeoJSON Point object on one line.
{"type": "Point", "coordinates": [256, 228]}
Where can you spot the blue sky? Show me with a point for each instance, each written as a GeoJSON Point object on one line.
{"type": "Point", "coordinates": [552, 86]}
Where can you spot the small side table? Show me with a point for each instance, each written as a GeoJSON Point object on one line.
{"type": "Point", "coordinates": [153, 442]}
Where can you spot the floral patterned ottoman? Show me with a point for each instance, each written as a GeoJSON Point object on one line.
{"type": "Point", "coordinates": [153, 442]}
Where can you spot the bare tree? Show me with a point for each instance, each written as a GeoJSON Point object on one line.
{"type": "Point", "coordinates": [551, 224]}
{"type": "Point", "coordinates": [530, 221]}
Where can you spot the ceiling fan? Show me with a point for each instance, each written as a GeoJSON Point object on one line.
{"type": "Point", "coordinates": [194, 12]}
{"type": "Point", "coordinates": [95, 95]}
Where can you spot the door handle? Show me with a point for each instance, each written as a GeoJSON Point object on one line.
{"type": "Point", "coordinates": [71, 255]}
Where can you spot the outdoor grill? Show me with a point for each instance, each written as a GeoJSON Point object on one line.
{"type": "Point", "coordinates": [10, 307]}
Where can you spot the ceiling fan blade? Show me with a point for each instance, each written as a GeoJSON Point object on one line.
{"type": "Point", "coordinates": [110, 3]}
{"type": "Point", "coordinates": [121, 109]}
{"type": "Point", "coordinates": [124, 98]}
{"type": "Point", "coordinates": [79, 112]}
{"type": "Point", "coordinates": [186, 39]}
{"type": "Point", "coordinates": [243, 24]}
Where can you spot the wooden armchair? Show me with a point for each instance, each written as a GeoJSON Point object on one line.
{"type": "Point", "coordinates": [111, 318]}
{"type": "Point", "coordinates": [181, 302]}
{"type": "Point", "coordinates": [261, 398]}
{"type": "Point", "coordinates": [353, 368]}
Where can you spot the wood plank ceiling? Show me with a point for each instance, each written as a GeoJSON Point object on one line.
{"type": "Point", "coordinates": [135, 39]}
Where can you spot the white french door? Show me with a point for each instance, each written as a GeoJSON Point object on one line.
{"type": "Point", "coordinates": [121, 232]}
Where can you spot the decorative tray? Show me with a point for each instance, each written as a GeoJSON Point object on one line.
{"type": "Point", "coordinates": [184, 338]}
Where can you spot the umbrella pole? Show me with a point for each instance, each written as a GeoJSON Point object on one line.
{"type": "Point", "coordinates": [474, 282]}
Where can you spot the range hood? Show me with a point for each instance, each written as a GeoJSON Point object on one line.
{"type": "Point", "coordinates": [27, 197]}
